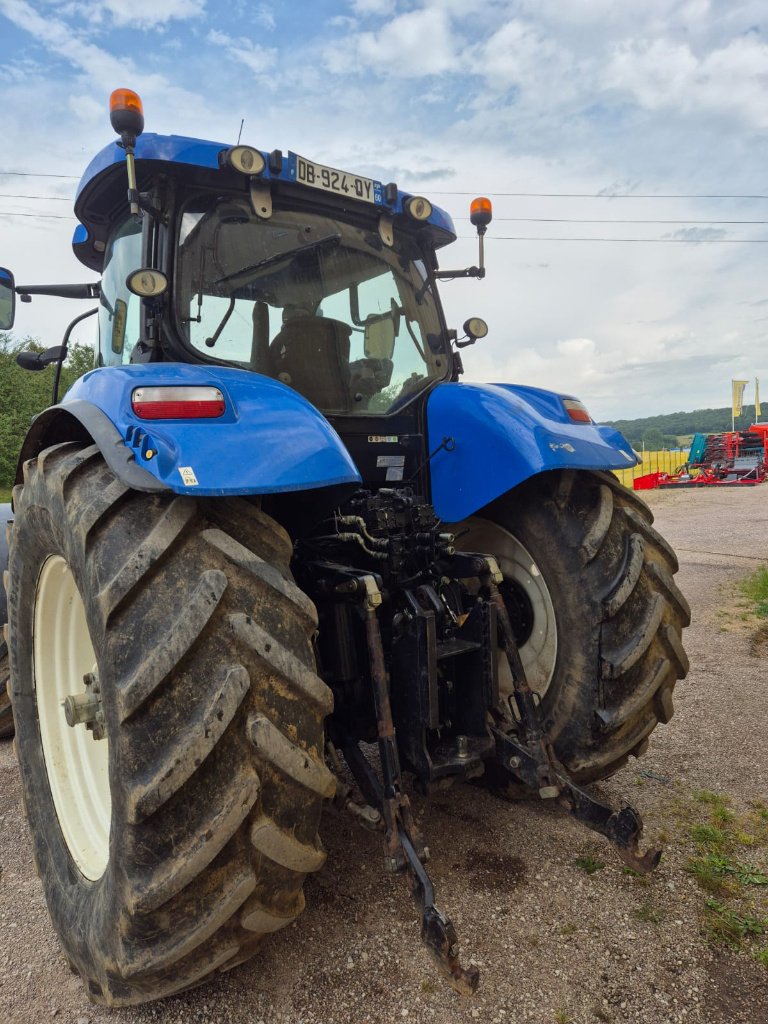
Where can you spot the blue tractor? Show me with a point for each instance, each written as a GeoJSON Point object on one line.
{"type": "Point", "coordinates": [271, 552]}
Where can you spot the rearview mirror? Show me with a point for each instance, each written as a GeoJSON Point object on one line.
{"type": "Point", "coordinates": [7, 299]}
{"type": "Point", "coordinates": [379, 341]}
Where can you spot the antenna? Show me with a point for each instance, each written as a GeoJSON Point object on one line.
{"type": "Point", "coordinates": [242, 122]}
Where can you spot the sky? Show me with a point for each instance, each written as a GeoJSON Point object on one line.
{"type": "Point", "coordinates": [624, 147]}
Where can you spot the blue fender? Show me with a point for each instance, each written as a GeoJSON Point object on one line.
{"type": "Point", "coordinates": [268, 440]}
{"type": "Point", "coordinates": [501, 435]}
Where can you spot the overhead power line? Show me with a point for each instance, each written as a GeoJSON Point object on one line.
{"type": "Point", "coordinates": [36, 174]}
{"type": "Point", "coordinates": [672, 241]}
{"type": "Point", "coordinates": [39, 216]}
{"type": "Point", "coordinates": [447, 192]}
{"type": "Point", "coordinates": [520, 220]}
{"type": "Point", "coordinates": [590, 195]}
{"type": "Point", "coordinates": [55, 199]}
{"type": "Point", "coordinates": [573, 220]}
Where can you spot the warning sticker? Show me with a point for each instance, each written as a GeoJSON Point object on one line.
{"type": "Point", "coordinates": [390, 460]}
{"type": "Point", "coordinates": [383, 439]}
{"type": "Point", "coordinates": [395, 473]}
{"type": "Point", "coordinates": [188, 477]}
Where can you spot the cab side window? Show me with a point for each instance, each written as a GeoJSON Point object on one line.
{"type": "Point", "coordinates": [119, 322]}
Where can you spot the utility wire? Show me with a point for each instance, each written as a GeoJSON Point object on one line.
{"type": "Point", "coordinates": [55, 199]}
{"type": "Point", "coordinates": [445, 192]}
{"type": "Point", "coordinates": [589, 195]}
{"type": "Point", "coordinates": [673, 241]}
{"type": "Point", "coordinates": [521, 220]}
{"type": "Point", "coordinates": [35, 174]}
{"type": "Point", "coordinates": [573, 220]}
{"type": "Point", "coordinates": [40, 216]}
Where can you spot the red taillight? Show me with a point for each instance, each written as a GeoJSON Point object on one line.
{"type": "Point", "coordinates": [576, 411]}
{"type": "Point", "coordinates": [178, 403]}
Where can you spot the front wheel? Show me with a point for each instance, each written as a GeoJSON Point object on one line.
{"type": "Point", "coordinates": [169, 724]}
{"type": "Point", "coordinates": [597, 617]}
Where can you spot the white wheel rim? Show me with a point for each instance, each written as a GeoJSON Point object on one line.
{"type": "Point", "coordinates": [76, 763]}
{"type": "Point", "coordinates": [539, 652]}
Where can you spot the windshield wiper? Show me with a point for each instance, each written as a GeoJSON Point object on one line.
{"type": "Point", "coordinates": [278, 257]}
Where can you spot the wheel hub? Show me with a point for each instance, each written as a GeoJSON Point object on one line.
{"type": "Point", "coordinates": [526, 597]}
{"type": "Point", "coordinates": [85, 708]}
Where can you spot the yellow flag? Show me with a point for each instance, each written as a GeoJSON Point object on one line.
{"type": "Point", "coordinates": [757, 399]}
{"type": "Point", "coordinates": [737, 390]}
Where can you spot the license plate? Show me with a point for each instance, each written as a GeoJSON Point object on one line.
{"type": "Point", "coordinates": [340, 183]}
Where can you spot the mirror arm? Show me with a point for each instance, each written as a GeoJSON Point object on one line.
{"type": "Point", "coordinates": [91, 290]}
{"type": "Point", "coordinates": [449, 275]}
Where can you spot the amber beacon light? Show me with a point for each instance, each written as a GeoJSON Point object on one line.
{"type": "Point", "coordinates": [481, 213]}
{"type": "Point", "coordinates": [126, 112]}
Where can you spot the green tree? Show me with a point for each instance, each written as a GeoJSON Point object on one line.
{"type": "Point", "coordinates": [24, 394]}
{"type": "Point", "coordinates": [653, 439]}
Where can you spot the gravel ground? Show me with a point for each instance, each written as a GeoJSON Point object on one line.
{"type": "Point", "coordinates": [554, 944]}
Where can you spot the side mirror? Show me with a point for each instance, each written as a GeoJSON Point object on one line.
{"type": "Point", "coordinates": [379, 340]}
{"type": "Point", "coordinates": [7, 299]}
{"type": "Point", "coordinates": [39, 360]}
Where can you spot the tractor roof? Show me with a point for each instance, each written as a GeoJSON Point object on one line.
{"type": "Point", "coordinates": [101, 194]}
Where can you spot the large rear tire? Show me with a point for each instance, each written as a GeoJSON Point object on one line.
{"type": "Point", "coordinates": [588, 584]}
{"type": "Point", "coordinates": [201, 803]}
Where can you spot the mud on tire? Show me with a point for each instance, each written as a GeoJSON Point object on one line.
{"type": "Point", "coordinates": [214, 719]}
{"type": "Point", "coordinates": [618, 615]}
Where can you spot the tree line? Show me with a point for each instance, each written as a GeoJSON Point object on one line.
{"type": "Point", "coordinates": [24, 394]}
{"type": "Point", "coordinates": [664, 430]}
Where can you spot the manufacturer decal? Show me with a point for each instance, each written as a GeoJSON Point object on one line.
{"type": "Point", "coordinates": [385, 461]}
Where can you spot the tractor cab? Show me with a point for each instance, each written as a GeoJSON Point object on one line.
{"type": "Point", "coordinates": [320, 279]}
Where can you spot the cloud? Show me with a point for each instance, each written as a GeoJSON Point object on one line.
{"type": "Point", "coordinates": [665, 75]}
{"type": "Point", "coordinates": [258, 59]}
{"type": "Point", "coordinates": [373, 7]}
{"type": "Point", "coordinates": [697, 234]}
{"type": "Point", "coordinates": [411, 45]}
{"type": "Point", "coordinates": [134, 13]}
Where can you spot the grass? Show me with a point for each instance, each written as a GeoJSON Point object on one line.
{"type": "Point", "coordinates": [5, 495]}
{"type": "Point", "coordinates": [728, 926]}
{"type": "Point", "coordinates": [589, 864]}
{"type": "Point", "coordinates": [563, 1017]}
{"type": "Point", "coordinates": [755, 589]}
{"type": "Point", "coordinates": [647, 913]}
{"type": "Point", "coordinates": [731, 867]}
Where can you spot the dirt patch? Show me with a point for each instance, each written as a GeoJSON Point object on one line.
{"type": "Point", "coordinates": [491, 870]}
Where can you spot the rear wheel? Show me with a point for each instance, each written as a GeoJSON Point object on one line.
{"type": "Point", "coordinates": [175, 821]}
{"type": "Point", "coordinates": [598, 619]}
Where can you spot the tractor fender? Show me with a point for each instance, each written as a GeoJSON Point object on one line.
{"type": "Point", "coordinates": [268, 440]}
{"type": "Point", "coordinates": [498, 435]}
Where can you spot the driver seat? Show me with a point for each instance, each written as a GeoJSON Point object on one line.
{"type": "Point", "coordinates": [311, 355]}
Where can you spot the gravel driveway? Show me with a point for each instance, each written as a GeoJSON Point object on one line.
{"type": "Point", "coordinates": [554, 943]}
